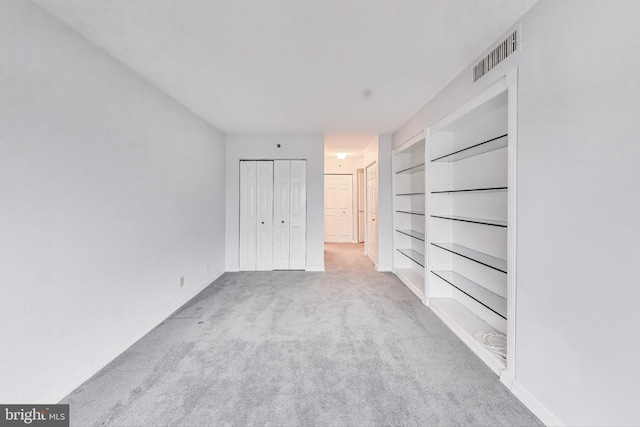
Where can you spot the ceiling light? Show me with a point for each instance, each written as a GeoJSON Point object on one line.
{"type": "Point", "coordinates": [341, 156]}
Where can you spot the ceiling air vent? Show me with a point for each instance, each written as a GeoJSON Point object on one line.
{"type": "Point", "coordinates": [496, 56]}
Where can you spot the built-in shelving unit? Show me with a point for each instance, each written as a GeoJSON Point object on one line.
{"type": "Point", "coordinates": [409, 164]}
{"type": "Point", "coordinates": [467, 216]}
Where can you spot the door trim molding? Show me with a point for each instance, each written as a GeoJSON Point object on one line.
{"type": "Point", "coordinates": [366, 212]}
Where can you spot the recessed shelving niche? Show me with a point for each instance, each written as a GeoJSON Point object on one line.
{"type": "Point", "coordinates": [409, 165]}
{"type": "Point", "coordinates": [468, 281]}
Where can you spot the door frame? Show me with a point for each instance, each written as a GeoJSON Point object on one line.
{"type": "Point", "coordinates": [361, 192]}
{"type": "Point", "coordinates": [366, 211]}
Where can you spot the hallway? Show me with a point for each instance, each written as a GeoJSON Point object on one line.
{"type": "Point", "coordinates": [350, 346]}
{"type": "Point", "coordinates": [345, 257]}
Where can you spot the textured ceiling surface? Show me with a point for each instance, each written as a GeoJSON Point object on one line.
{"type": "Point", "coordinates": [304, 66]}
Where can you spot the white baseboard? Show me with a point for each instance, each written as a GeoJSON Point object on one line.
{"type": "Point", "coordinates": [314, 269]}
{"type": "Point", "coordinates": [533, 404]}
{"type": "Point", "coordinates": [87, 372]}
{"type": "Point", "coordinates": [411, 287]}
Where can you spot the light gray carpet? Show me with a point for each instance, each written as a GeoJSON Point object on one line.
{"type": "Point", "coordinates": [347, 347]}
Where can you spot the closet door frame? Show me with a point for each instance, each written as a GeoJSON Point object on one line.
{"type": "Point", "coordinates": [273, 215]}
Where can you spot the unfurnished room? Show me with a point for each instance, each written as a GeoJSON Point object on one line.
{"type": "Point", "coordinates": [303, 212]}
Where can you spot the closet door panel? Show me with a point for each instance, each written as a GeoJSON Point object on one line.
{"type": "Point", "coordinates": [298, 219]}
{"type": "Point", "coordinates": [281, 217]}
{"type": "Point", "coordinates": [264, 238]}
{"type": "Point", "coordinates": [248, 211]}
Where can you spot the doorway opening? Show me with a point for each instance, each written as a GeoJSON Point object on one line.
{"type": "Point", "coordinates": [345, 216]}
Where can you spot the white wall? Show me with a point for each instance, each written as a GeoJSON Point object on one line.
{"type": "Point", "coordinates": [110, 191]}
{"type": "Point", "coordinates": [385, 203]}
{"type": "Point", "coordinates": [380, 151]}
{"type": "Point", "coordinates": [350, 165]}
{"type": "Point", "coordinates": [297, 147]}
{"type": "Point", "coordinates": [578, 232]}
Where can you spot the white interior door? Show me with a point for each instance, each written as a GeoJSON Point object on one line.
{"type": "Point", "coordinates": [281, 219]}
{"type": "Point", "coordinates": [298, 215]}
{"type": "Point", "coordinates": [361, 223]}
{"type": "Point", "coordinates": [345, 208]}
{"type": "Point", "coordinates": [372, 213]}
{"type": "Point", "coordinates": [248, 182]}
{"type": "Point", "coordinates": [338, 216]}
{"type": "Point", "coordinates": [330, 208]}
{"type": "Point", "coordinates": [264, 215]}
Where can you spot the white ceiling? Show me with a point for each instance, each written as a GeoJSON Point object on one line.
{"type": "Point", "coordinates": [303, 66]}
{"type": "Point", "coordinates": [352, 145]}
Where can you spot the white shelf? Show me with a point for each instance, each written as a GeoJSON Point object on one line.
{"type": "Point", "coordinates": [494, 222]}
{"type": "Point", "coordinates": [412, 233]}
{"type": "Point", "coordinates": [471, 190]}
{"type": "Point", "coordinates": [475, 150]}
{"type": "Point", "coordinates": [464, 324]}
{"type": "Point", "coordinates": [479, 257]}
{"type": "Point", "coordinates": [490, 300]}
{"type": "Point", "coordinates": [410, 212]}
{"type": "Point", "coordinates": [414, 256]}
{"type": "Point", "coordinates": [411, 194]}
{"type": "Point", "coordinates": [412, 169]}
